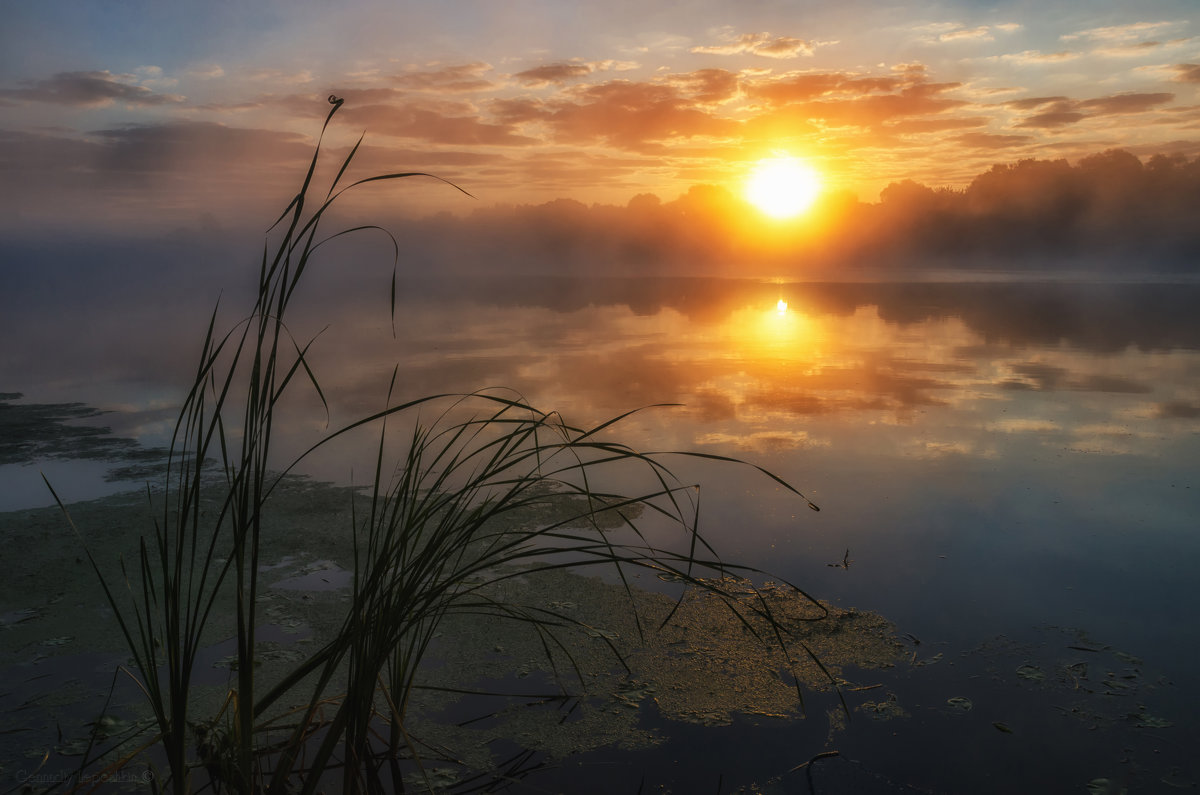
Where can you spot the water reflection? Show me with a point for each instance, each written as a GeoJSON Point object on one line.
{"type": "Point", "coordinates": [967, 369]}
{"type": "Point", "coordinates": [992, 457]}
{"type": "Point", "coordinates": [1098, 368]}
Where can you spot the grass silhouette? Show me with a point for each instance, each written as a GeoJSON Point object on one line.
{"type": "Point", "coordinates": [429, 543]}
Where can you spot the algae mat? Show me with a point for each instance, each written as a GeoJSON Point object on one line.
{"type": "Point", "coordinates": [715, 659]}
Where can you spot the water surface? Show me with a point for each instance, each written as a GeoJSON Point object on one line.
{"type": "Point", "coordinates": [1009, 469]}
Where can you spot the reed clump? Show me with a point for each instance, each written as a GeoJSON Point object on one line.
{"type": "Point", "coordinates": [431, 540]}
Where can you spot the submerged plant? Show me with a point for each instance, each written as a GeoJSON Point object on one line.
{"type": "Point", "coordinates": [430, 542]}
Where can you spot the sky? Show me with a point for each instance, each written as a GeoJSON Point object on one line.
{"type": "Point", "coordinates": [132, 114]}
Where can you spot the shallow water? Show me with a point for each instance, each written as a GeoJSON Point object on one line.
{"type": "Point", "coordinates": [1008, 469]}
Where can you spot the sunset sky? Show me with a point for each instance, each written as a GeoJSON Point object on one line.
{"type": "Point", "coordinates": [157, 113]}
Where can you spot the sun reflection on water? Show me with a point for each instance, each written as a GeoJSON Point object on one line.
{"type": "Point", "coordinates": [776, 333]}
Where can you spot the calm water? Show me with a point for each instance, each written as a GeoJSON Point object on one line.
{"type": "Point", "coordinates": [1006, 465]}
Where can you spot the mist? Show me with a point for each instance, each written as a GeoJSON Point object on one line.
{"type": "Point", "coordinates": [1110, 212]}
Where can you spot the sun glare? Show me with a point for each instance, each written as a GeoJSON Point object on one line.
{"type": "Point", "coordinates": [783, 186]}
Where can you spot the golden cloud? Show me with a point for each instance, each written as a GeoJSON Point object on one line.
{"type": "Point", "coordinates": [763, 44]}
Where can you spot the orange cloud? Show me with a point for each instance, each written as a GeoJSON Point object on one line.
{"type": "Point", "coordinates": [875, 109]}
{"type": "Point", "coordinates": [1033, 102]}
{"type": "Point", "coordinates": [458, 78]}
{"type": "Point", "coordinates": [1187, 72]}
{"type": "Point", "coordinates": [708, 85]}
{"type": "Point", "coordinates": [434, 125]}
{"type": "Point", "coordinates": [841, 99]}
{"type": "Point", "coordinates": [763, 44]}
{"type": "Point", "coordinates": [626, 114]}
{"type": "Point", "coordinates": [992, 141]}
{"type": "Point", "coordinates": [804, 87]}
{"type": "Point", "coordinates": [915, 126]}
{"type": "Point", "coordinates": [1126, 103]}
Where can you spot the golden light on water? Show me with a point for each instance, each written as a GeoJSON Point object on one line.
{"type": "Point", "coordinates": [771, 334]}
{"type": "Point", "coordinates": [783, 186]}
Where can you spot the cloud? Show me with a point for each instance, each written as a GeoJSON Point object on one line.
{"type": "Point", "coordinates": [841, 99]}
{"type": "Point", "coordinates": [1061, 112]}
{"type": "Point", "coordinates": [983, 33]}
{"type": "Point", "coordinates": [1036, 57]}
{"type": "Point", "coordinates": [553, 74]}
{"type": "Point", "coordinates": [1178, 409]}
{"type": "Point", "coordinates": [1187, 72]}
{"type": "Point", "coordinates": [873, 110]}
{"type": "Point", "coordinates": [1128, 41]}
{"type": "Point", "coordinates": [763, 44]}
{"type": "Point", "coordinates": [558, 74]}
{"type": "Point", "coordinates": [946, 32]}
{"type": "Point", "coordinates": [354, 97]}
{"type": "Point", "coordinates": [1131, 50]}
{"type": "Point", "coordinates": [981, 140]}
{"type": "Point", "coordinates": [149, 175]}
{"type": "Point", "coordinates": [936, 124]}
{"type": "Point", "coordinates": [89, 90]}
{"type": "Point", "coordinates": [803, 86]}
{"type": "Point", "coordinates": [1122, 33]}
{"type": "Point", "coordinates": [708, 85]}
{"type": "Point", "coordinates": [1029, 103]}
{"type": "Point", "coordinates": [278, 76]}
{"type": "Point", "coordinates": [626, 114]}
{"type": "Point", "coordinates": [457, 78]}
{"type": "Point", "coordinates": [191, 146]}
{"type": "Point", "coordinates": [937, 28]}
{"type": "Point", "coordinates": [152, 77]}
{"type": "Point", "coordinates": [206, 71]}
{"type": "Point", "coordinates": [437, 124]}
{"type": "Point", "coordinates": [1132, 102]}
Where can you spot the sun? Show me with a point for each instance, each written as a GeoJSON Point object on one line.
{"type": "Point", "coordinates": [782, 186]}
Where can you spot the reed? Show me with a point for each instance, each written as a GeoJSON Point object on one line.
{"type": "Point", "coordinates": [428, 544]}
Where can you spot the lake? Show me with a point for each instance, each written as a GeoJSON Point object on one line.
{"type": "Point", "coordinates": [1007, 471]}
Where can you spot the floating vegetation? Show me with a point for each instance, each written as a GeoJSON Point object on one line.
{"type": "Point", "coordinates": [1071, 681]}
{"type": "Point", "coordinates": [960, 704]}
{"type": "Point", "coordinates": [887, 709]}
{"type": "Point", "coordinates": [1031, 672]}
{"type": "Point", "coordinates": [704, 667]}
{"type": "Point", "coordinates": [1145, 721]}
{"type": "Point", "coordinates": [39, 431]}
{"type": "Point", "coordinates": [1104, 786]}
